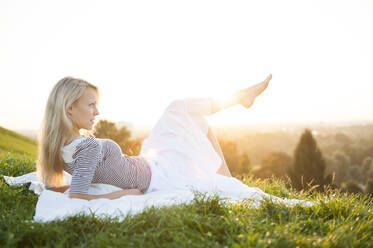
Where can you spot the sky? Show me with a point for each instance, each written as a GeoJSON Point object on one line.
{"type": "Point", "coordinates": [144, 54]}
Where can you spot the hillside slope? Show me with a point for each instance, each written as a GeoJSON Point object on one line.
{"type": "Point", "coordinates": [14, 143]}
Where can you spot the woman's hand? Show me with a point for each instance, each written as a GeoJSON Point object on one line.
{"type": "Point", "coordinates": [120, 193]}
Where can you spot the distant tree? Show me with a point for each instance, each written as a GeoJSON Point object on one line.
{"type": "Point", "coordinates": [275, 163]}
{"type": "Point", "coordinates": [367, 164]}
{"type": "Point", "coordinates": [342, 139]}
{"type": "Point", "coordinates": [356, 153]}
{"type": "Point", "coordinates": [369, 174]}
{"type": "Point", "coordinates": [133, 147]}
{"type": "Point", "coordinates": [369, 150]}
{"type": "Point", "coordinates": [238, 163]}
{"type": "Point", "coordinates": [355, 173]}
{"type": "Point", "coordinates": [341, 167]}
{"type": "Point", "coordinates": [331, 164]}
{"type": "Point", "coordinates": [106, 129]}
{"type": "Point", "coordinates": [369, 187]}
{"type": "Point", "coordinates": [308, 166]}
{"type": "Point", "coordinates": [351, 186]}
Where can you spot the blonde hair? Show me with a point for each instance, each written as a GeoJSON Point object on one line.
{"type": "Point", "coordinates": [56, 128]}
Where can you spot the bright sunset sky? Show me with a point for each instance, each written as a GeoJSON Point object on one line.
{"type": "Point", "coordinates": [144, 54]}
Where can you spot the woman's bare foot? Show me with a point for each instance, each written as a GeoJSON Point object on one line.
{"type": "Point", "coordinates": [246, 97]}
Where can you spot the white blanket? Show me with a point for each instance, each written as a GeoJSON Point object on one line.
{"type": "Point", "coordinates": [53, 205]}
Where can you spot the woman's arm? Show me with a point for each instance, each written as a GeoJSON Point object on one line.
{"type": "Point", "coordinates": [60, 189]}
{"type": "Point", "coordinates": [113, 195]}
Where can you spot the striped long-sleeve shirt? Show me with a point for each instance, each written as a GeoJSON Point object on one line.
{"type": "Point", "coordinates": [93, 160]}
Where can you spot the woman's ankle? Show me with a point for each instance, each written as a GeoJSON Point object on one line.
{"type": "Point", "coordinates": [218, 104]}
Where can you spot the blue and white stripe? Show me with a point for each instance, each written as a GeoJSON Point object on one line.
{"type": "Point", "coordinates": [94, 160]}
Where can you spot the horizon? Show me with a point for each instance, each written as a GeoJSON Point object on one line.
{"type": "Point", "coordinates": [297, 127]}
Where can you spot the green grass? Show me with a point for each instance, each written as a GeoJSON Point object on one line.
{"type": "Point", "coordinates": [344, 221]}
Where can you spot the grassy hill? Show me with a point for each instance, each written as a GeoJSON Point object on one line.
{"type": "Point", "coordinates": [16, 143]}
{"type": "Point", "coordinates": [346, 220]}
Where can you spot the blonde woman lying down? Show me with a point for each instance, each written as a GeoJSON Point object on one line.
{"type": "Point", "coordinates": [180, 152]}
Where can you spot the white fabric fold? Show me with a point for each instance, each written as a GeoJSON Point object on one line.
{"type": "Point", "coordinates": [57, 206]}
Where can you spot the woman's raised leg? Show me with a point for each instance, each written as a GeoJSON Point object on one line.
{"type": "Point", "coordinates": [197, 108]}
{"type": "Point", "coordinates": [211, 105]}
{"type": "Point", "coordinates": [223, 170]}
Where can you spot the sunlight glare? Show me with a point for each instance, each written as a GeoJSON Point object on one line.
{"type": "Point", "coordinates": [151, 153]}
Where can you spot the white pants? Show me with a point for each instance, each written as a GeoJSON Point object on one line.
{"type": "Point", "coordinates": [181, 156]}
{"type": "Point", "coordinates": [178, 151]}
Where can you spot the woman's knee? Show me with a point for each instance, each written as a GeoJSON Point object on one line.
{"type": "Point", "coordinates": [177, 105]}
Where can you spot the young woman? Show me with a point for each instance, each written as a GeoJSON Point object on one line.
{"type": "Point", "coordinates": [180, 152]}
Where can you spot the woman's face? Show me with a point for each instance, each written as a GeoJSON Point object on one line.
{"type": "Point", "coordinates": [84, 110]}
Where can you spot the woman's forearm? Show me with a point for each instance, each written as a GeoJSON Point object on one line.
{"type": "Point", "coordinates": [60, 189]}
{"type": "Point", "coordinates": [111, 196]}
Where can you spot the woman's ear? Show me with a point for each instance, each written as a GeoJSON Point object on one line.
{"type": "Point", "coordinates": [69, 110]}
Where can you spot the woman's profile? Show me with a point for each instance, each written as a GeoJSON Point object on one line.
{"type": "Point", "coordinates": [180, 152]}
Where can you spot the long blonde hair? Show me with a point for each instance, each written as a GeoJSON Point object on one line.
{"type": "Point", "coordinates": [56, 128]}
